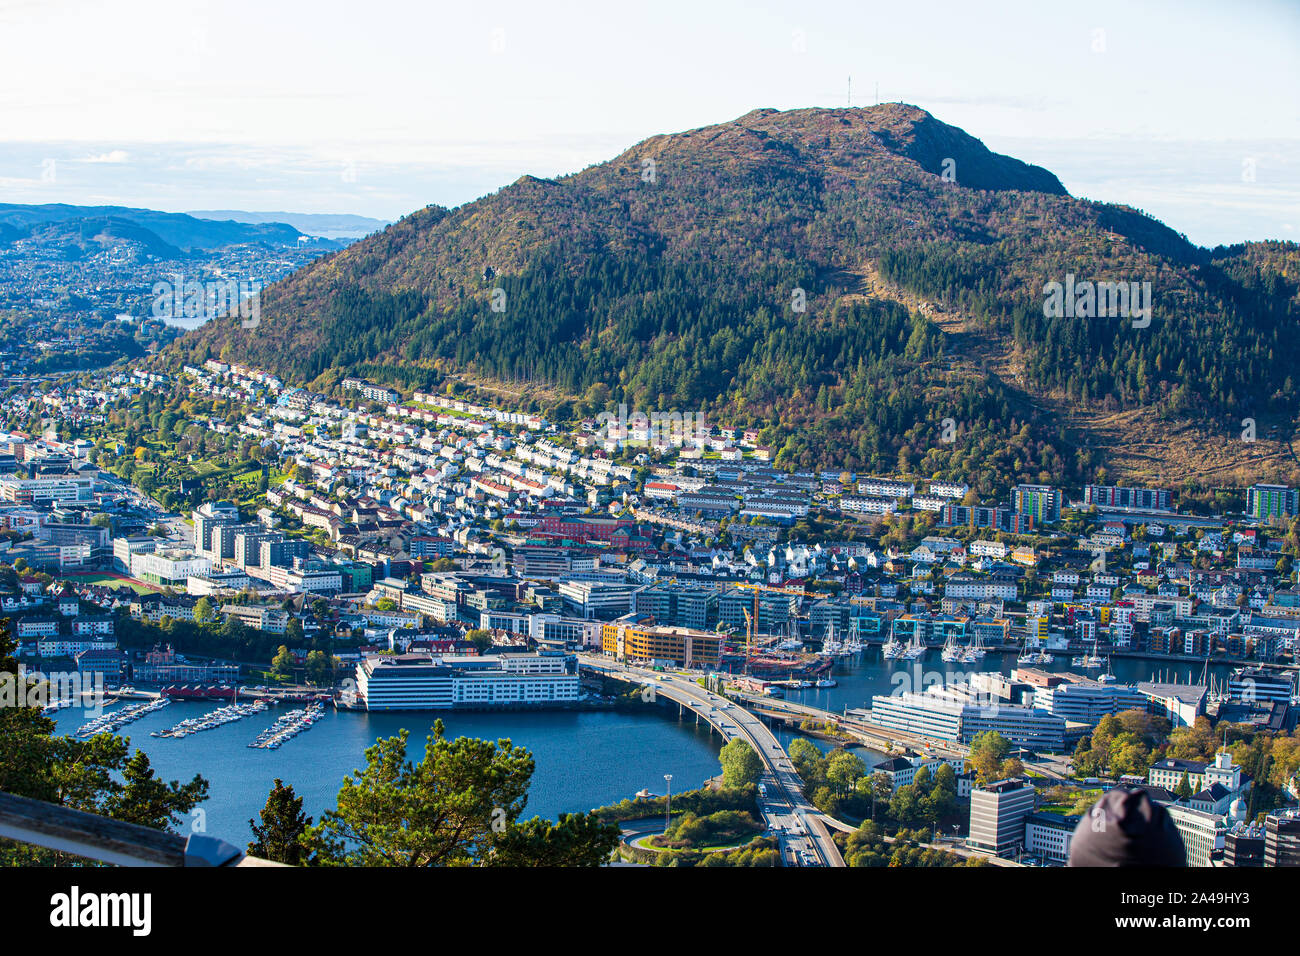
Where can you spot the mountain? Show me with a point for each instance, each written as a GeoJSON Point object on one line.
{"type": "Point", "coordinates": [173, 229]}
{"type": "Point", "coordinates": [866, 285]}
{"type": "Point", "coordinates": [76, 238]}
{"type": "Point", "coordinates": [327, 225]}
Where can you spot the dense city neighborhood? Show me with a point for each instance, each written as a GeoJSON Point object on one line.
{"type": "Point", "coordinates": [427, 551]}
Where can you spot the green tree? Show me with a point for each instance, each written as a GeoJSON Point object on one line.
{"type": "Point", "coordinates": [908, 804]}
{"type": "Point", "coordinates": [989, 752]}
{"type": "Point", "coordinates": [280, 836]}
{"type": "Point", "coordinates": [881, 791]}
{"type": "Point", "coordinates": [578, 839]}
{"type": "Point", "coordinates": [943, 794]}
{"type": "Point", "coordinates": [320, 668]}
{"type": "Point", "coordinates": [843, 771]}
{"type": "Point", "coordinates": [808, 762]}
{"type": "Point", "coordinates": [741, 765]}
{"type": "Point", "coordinates": [453, 808]}
{"type": "Point", "coordinates": [203, 612]}
{"type": "Point", "coordinates": [282, 663]}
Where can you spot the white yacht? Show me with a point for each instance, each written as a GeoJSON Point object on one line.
{"type": "Point", "coordinates": [975, 652]}
{"type": "Point", "coordinates": [853, 645]}
{"type": "Point", "coordinates": [952, 651]}
{"type": "Point", "coordinates": [1108, 677]}
{"type": "Point", "coordinates": [915, 648]}
{"type": "Point", "coordinates": [1089, 661]}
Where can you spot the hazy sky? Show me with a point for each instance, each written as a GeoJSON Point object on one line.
{"type": "Point", "coordinates": [1188, 110]}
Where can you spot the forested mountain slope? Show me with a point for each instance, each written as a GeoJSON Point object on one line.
{"type": "Point", "coordinates": [673, 277]}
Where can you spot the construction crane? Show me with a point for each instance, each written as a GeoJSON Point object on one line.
{"type": "Point", "coordinates": [756, 588]}
{"type": "Point", "coordinates": [749, 635]}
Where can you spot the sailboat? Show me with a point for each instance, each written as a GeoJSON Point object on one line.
{"type": "Point", "coordinates": [915, 647]}
{"type": "Point", "coordinates": [952, 651]}
{"type": "Point", "coordinates": [893, 648]}
{"type": "Point", "coordinates": [976, 650]}
{"type": "Point", "coordinates": [1108, 677]}
{"type": "Point", "coordinates": [792, 642]}
{"type": "Point", "coordinates": [1027, 656]}
{"type": "Point", "coordinates": [852, 645]}
{"type": "Point", "coordinates": [1090, 661]}
{"type": "Point", "coordinates": [830, 647]}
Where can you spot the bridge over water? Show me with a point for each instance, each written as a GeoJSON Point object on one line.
{"type": "Point", "coordinates": [804, 837]}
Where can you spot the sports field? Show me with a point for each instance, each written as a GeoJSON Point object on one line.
{"type": "Point", "coordinates": [113, 580]}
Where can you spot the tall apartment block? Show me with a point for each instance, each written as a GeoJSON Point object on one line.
{"type": "Point", "coordinates": [1272, 501]}
{"type": "Point", "coordinates": [1040, 502]}
{"type": "Point", "coordinates": [1128, 499]}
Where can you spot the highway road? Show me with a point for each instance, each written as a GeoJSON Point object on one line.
{"type": "Point", "coordinates": [804, 838]}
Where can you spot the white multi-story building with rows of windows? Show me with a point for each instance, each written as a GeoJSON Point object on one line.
{"type": "Point", "coordinates": [949, 489]}
{"type": "Point", "coordinates": [48, 488]}
{"type": "Point", "coordinates": [169, 567]}
{"type": "Point", "coordinates": [1048, 835]}
{"type": "Point", "coordinates": [959, 713]}
{"type": "Point", "coordinates": [70, 647]}
{"type": "Point", "coordinates": [885, 488]}
{"type": "Point", "coordinates": [445, 682]}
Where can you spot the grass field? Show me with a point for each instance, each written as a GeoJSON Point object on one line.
{"type": "Point", "coordinates": [113, 580]}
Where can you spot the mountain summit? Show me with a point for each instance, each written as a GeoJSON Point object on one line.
{"type": "Point", "coordinates": [845, 140]}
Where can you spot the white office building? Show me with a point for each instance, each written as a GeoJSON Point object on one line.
{"type": "Point", "coordinates": [960, 712]}
{"type": "Point", "coordinates": [1087, 701]}
{"type": "Point", "coordinates": [171, 568]}
{"type": "Point", "coordinates": [432, 682]}
{"type": "Point", "coordinates": [1048, 836]}
{"type": "Point", "coordinates": [1203, 833]}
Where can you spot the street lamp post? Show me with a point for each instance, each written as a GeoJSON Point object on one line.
{"type": "Point", "coordinates": [668, 806]}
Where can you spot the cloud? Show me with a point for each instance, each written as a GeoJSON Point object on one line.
{"type": "Point", "coordinates": [112, 156]}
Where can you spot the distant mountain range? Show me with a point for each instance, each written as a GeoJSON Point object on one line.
{"type": "Point", "coordinates": [868, 286]}
{"type": "Point", "coordinates": [161, 231]}
{"type": "Point", "coordinates": [313, 224]}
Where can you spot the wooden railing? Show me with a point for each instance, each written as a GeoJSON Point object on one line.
{"type": "Point", "coordinates": [96, 837]}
